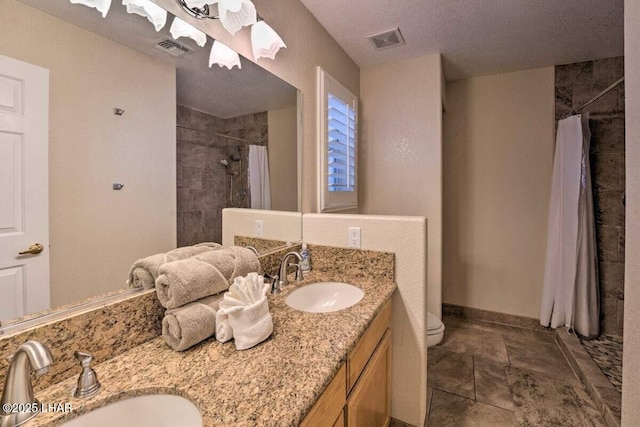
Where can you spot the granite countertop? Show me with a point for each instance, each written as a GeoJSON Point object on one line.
{"type": "Point", "coordinates": [273, 384]}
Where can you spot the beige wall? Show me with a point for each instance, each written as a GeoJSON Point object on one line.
{"type": "Point", "coordinates": [308, 45]}
{"type": "Point", "coordinates": [277, 225]}
{"type": "Point", "coordinates": [95, 232]}
{"type": "Point", "coordinates": [283, 173]}
{"type": "Point", "coordinates": [631, 362]}
{"type": "Point", "coordinates": [400, 164]}
{"type": "Point", "coordinates": [406, 237]}
{"type": "Point", "coordinates": [498, 158]}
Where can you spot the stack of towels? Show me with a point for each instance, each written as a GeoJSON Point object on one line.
{"type": "Point", "coordinates": [189, 288]}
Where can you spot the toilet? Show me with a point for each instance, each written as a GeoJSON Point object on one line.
{"type": "Point", "coordinates": [435, 330]}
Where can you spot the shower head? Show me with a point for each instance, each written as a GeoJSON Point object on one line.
{"type": "Point", "coordinates": [225, 163]}
{"type": "Point", "coordinates": [234, 152]}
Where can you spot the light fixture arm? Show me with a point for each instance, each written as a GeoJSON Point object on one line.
{"type": "Point", "coordinates": [197, 12]}
{"type": "Point", "coordinates": [204, 12]}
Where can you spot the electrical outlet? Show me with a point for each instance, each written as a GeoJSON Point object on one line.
{"type": "Point", "coordinates": [259, 228]}
{"type": "Point", "coordinates": [354, 237]}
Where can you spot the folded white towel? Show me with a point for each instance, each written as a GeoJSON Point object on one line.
{"type": "Point", "coordinates": [143, 272]}
{"type": "Point", "coordinates": [186, 326]}
{"type": "Point", "coordinates": [224, 332]}
{"type": "Point", "coordinates": [181, 282]}
{"type": "Point", "coordinates": [247, 307]}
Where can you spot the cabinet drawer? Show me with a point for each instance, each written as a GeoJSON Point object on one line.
{"type": "Point", "coordinates": [330, 405]}
{"type": "Point", "coordinates": [360, 355]}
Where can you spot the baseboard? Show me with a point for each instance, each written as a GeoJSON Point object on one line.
{"type": "Point", "coordinates": [491, 316]}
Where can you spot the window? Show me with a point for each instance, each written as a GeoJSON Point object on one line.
{"type": "Point", "coordinates": [338, 136]}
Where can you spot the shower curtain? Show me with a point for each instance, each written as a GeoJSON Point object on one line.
{"type": "Point", "coordinates": [259, 177]}
{"type": "Point", "coordinates": [570, 293]}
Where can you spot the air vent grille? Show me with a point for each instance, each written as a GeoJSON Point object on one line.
{"type": "Point", "coordinates": [172, 47]}
{"type": "Point", "coordinates": [386, 39]}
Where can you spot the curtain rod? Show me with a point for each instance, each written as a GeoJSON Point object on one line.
{"type": "Point", "coordinates": [595, 98]}
{"type": "Point", "coordinates": [219, 134]}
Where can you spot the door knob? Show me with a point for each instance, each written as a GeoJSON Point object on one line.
{"type": "Point", "coordinates": [34, 249]}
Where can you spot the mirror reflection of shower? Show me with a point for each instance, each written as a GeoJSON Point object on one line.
{"type": "Point", "coordinates": [236, 198]}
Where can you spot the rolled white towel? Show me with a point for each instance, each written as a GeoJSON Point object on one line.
{"type": "Point", "coordinates": [183, 281]}
{"type": "Point", "coordinates": [143, 272]}
{"type": "Point", "coordinates": [247, 307]}
{"type": "Point", "coordinates": [186, 326]}
{"type": "Point", "coordinates": [224, 332]}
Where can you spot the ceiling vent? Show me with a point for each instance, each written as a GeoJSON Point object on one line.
{"type": "Point", "coordinates": [386, 39]}
{"type": "Point", "coordinates": [172, 47]}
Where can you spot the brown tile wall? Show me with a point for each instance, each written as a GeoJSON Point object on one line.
{"type": "Point", "coordinates": [202, 182]}
{"type": "Point", "coordinates": [576, 84]}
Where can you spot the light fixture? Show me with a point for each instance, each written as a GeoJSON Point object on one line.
{"type": "Point", "coordinates": [101, 5]}
{"type": "Point", "coordinates": [235, 14]}
{"type": "Point", "coordinates": [265, 41]}
{"type": "Point", "coordinates": [146, 8]}
{"type": "Point", "coordinates": [224, 56]}
{"type": "Point", "coordinates": [198, 8]}
{"type": "Point", "coordinates": [179, 28]}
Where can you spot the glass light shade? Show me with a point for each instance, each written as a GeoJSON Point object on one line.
{"type": "Point", "coordinates": [235, 14]}
{"type": "Point", "coordinates": [224, 56]}
{"type": "Point", "coordinates": [179, 28]}
{"type": "Point", "coordinates": [154, 13]}
{"type": "Point", "coordinates": [265, 42]}
{"type": "Point", "coordinates": [101, 5]}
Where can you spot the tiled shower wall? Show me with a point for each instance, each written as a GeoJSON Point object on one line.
{"type": "Point", "coordinates": [576, 84]}
{"type": "Point", "coordinates": [202, 182]}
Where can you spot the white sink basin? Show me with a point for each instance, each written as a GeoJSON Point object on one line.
{"type": "Point", "coordinates": [324, 297]}
{"type": "Point", "coordinates": [152, 410]}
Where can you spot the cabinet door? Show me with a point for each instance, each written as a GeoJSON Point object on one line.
{"type": "Point", "coordinates": [370, 401]}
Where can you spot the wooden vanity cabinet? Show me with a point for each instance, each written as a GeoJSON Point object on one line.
{"type": "Point", "coordinates": [360, 393]}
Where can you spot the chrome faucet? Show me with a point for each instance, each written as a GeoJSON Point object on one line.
{"type": "Point", "coordinates": [31, 356]}
{"type": "Point", "coordinates": [281, 279]}
{"type": "Point", "coordinates": [285, 265]}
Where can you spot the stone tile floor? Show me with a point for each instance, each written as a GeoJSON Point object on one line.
{"type": "Point", "coordinates": [493, 375]}
{"type": "Point", "coordinates": [606, 351]}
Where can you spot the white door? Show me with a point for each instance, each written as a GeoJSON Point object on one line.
{"type": "Point", "coordinates": [24, 192]}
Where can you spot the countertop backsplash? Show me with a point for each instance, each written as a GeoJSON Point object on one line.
{"type": "Point", "coordinates": [116, 327]}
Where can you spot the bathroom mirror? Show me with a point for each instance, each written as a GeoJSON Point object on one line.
{"type": "Point", "coordinates": [146, 143]}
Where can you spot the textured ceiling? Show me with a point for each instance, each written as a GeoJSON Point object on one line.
{"type": "Point", "coordinates": [218, 91]}
{"type": "Point", "coordinates": [478, 37]}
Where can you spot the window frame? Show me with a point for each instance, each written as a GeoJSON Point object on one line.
{"type": "Point", "coordinates": [332, 201]}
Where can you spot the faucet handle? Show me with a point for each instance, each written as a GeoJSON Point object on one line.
{"type": "Point", "coordinates": [88, 383]}
{"type": "Point", "coordinates": [84, 358]}
{"type": "Point", "coordinates": [299, 276]}
{"type": "Point", "coordinates": [275, 283]}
